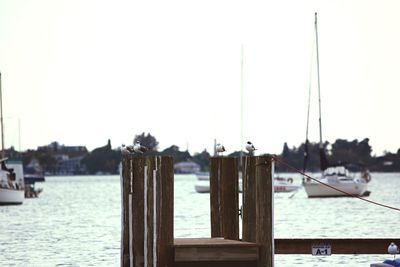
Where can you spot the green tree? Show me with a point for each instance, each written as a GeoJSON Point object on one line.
{"type": "Point", "coordinates": [103, 159]}
{"type": "Point", "coordinates": [148, 141]}
{"type": "Point", "coordinates": [178, 155]}
{"type": "Point", "coordinates": [203, 159]}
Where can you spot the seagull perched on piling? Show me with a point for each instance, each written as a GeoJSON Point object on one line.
{"type": "Point", "coordinates": [250, 147]}
{"type": "Point", "coordinates": [393, 249]}
{"type": "Point", "coordinates": [138, 148]}
{"type": "Point", "coordinates": [219, 148]}
{"type": "Point", "coordinates": [126, 150]}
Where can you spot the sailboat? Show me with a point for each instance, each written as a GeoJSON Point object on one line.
{"type": "Point", "coordinates": [335, 180]}
{"type": "Point", "coordinates": [11, 175]}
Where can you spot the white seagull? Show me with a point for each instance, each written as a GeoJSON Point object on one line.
{"type": "Point", "coordinates": [393, 249]}
{"type": "Point", "coordinates": [250, 147]}
{"type": "Point", "coordinates": [138, 148]}
{"type": "Point", "coordinates": [219, 148]}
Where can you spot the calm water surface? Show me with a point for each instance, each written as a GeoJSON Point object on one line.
{"type": "Point", "coordinates": [76, 221]}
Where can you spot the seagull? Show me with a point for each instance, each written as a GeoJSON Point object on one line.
{"type": "Point", "coordinates": [250, 147]}
{"type": "Point", "coordinates": [393, 250]}
{"type": "Point", "coordinates": [138, 148]}
{"type": "Point", "coordinates": [220, 148]}
{"type": "Point", "coordinates": [126, 150]}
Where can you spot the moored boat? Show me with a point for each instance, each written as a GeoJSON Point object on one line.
{"type": "Point", "coordinates": [12, 190]}
{"type": "Point", "coordinates": [203, 176]}
{"type": "Point", "coordinates": [284, 185]}
{"type": "Point", "coordinates": [203, 186]}
{"type": "Point", "coordinates": [280, 185]}
{"type": "Point", "coordinates": [12, 176]}
{"type": "Point", "coordinates": [339, 178]}
{"type": "Point", "coordinates": [335, 180]}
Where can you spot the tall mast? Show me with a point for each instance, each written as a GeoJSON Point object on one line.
{"type": "Point", "coordinates": [319, 92]}
{"type": "Point", "coordinates": [322, 156]}
{"type": "Point", "coordinates": [241, 102]}
{"type": "Point", "coordinates": [1, 121]}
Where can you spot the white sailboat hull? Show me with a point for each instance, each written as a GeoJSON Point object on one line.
{"type": "Point", "coordinates": [278, 188]}
{"type": "Point", "coordinates": [203, 186]}
{"type": "Point", "coordinates": [11, 196]}
{"type": "Point", "coordinates": [314, 189]}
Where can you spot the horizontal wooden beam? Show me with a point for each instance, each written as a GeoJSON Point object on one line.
{"type": "Point", "coordinates": [214, 249]}
{"type": "Point", "coordinates": [338, 246]}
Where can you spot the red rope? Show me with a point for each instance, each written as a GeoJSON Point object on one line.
{"type": "Point", "coordinates": [334, 188]}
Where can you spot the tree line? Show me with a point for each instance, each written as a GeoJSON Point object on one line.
{"type": "Point", "coordinates": [356, 154]}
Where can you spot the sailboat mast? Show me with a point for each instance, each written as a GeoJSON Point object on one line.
{"type": "Point", "coordinates": [241, 104]}
{"type": "Point", "coordinates": [1, 121]}
{"type": "Point", "coordinates": [323, 160]}
{"type": "Point", "coordinates": [319, 85]}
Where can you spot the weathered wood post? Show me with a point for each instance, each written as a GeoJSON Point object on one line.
{"type": "Point", "coordinates": [224, 197]}
{"type": "Point", "coordinates": [249, 199]}
{"type": "Point", "coordinates": [258, 202]}
{"type": "Point", "coordinates": [147, 185]}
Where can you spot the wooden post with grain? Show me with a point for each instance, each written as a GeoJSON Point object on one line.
{"type": "Point", "coordinates": [224, 197]}
{"type": "Point", "coordinates": [258, 202]}
{"type": "Point", "coordinates": [147, 211]}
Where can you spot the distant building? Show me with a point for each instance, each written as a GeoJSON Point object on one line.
{"type": "Point", "coordinates": [56, 147]}
{"type": "Point", "coordinates": [186, 167]}
{"type": "Point", "coordinates": [70, 166]}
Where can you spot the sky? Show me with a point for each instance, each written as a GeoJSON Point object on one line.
{"type": "Point", "coordinates": [81, 72]}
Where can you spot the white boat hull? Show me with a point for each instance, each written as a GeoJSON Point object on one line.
{"type": "Point", "coordinates": [278, 188]}
{"type": "Point", "coordinates": [204, 187]}
{"type": "Point", "coordinates": [203, 176]}
{"type": "Point", "coordinates": [11, 196]}
{"type": "Point", "coordinates": [314, 189]}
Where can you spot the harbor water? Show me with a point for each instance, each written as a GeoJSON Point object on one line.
{"type": "Point", "coordinates": [76, 221]}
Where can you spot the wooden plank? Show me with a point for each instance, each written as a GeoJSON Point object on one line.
{"type": "Point", "coordinates": [214, 249]}
{"type": "Point", "coordinates": [338, 246]}
{"type": "Point", "coordinates": [138, 174]}
{"type": "Point", "coordinates": [229, 191]}
{"type": "Point", "coordinates": [148, 211]}
{"type": "Point", "coordinates": [165, 210]}
{"type": "Point", "coordinates": [264, 210]}
{"type": "Point", "coordinates": [216, 264]}
{"type": "Point", "coordinates": [216, 254]}
{"type": "Point", "coordinates": [211, 242]}
{"type": "Point", "coordinates": [249, 200]}
{"type": "Point", "coordinates": [215, 197]}
{"type": "Point", "coordinates": [125, 194]}
{"type": "Point", "coordinates": [224, 197]}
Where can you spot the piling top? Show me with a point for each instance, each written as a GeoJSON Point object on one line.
{"type": "Point", "coordinates": [135, 155]}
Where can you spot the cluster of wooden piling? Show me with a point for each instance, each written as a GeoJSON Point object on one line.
{"type": "Point", "coordinates": [147, 214]}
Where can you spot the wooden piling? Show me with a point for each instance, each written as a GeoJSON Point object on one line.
{"type": "Point", "coordinates": [258, 195]}
{"type": "Point", "coordinates": [147, 211]}
{"type": "Point", "coordinates": [224, 197]}
{"type": "Point", "coordinates": [265, 209]}
{"type": "Point", "coordinates": [249, 199]}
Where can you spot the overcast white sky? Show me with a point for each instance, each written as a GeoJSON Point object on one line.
{"type": "Point", "coordinates": [83, 71]}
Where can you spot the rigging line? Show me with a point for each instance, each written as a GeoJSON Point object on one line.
{"type": "Point", "coordinates": [316, 180]}
{"type": "Point", "coordinates": [309, 88]}
{"type": "Point", "coordinates": [308, 109]}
